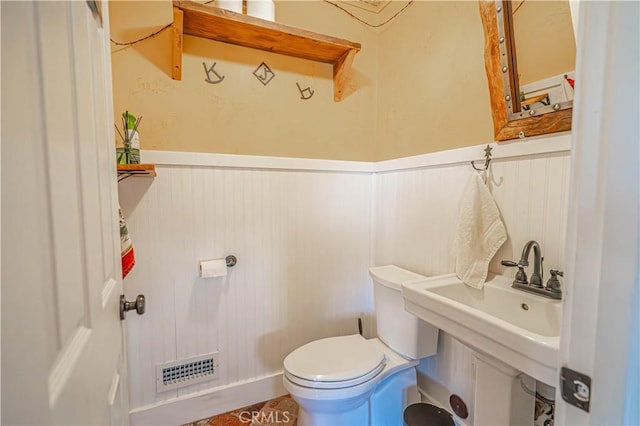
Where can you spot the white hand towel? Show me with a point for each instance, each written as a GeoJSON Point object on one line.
{"type": "Point", "coordinates": [479, 234]}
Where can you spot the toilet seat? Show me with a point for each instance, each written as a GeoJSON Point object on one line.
{"type": "Point", "coordinates": [334, 362]}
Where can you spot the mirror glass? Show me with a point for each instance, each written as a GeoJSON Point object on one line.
{"type": "Point", "coordinates": [543, 34]}
{"type": "Point", "coordinates": [544, 52]}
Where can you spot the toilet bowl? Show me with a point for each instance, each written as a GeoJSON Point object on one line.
{"type": "Point", "coordinates": [350, 369]}
{"type": "Point", "coordinates": [350, 380]}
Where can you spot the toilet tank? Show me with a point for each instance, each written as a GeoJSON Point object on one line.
{"type": "Point", "coordinates": [397, 328]}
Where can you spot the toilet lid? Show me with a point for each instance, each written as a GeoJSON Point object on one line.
{"type": "Point", "coordinates": [335, 359]}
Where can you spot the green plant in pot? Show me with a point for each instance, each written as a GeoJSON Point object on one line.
{"type": "Point", "coordinates": [130, 151]}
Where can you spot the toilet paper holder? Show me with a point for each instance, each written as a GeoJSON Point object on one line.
{"type": "Point", "coordinates": [231, 261]}
{"type": "Point", "coordinates": [215, 268]}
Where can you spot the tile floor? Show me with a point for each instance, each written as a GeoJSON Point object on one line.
{"type": "Point", "coordinates": [282, 411]}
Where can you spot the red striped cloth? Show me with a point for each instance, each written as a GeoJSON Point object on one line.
{"type": "Point", "coordinates": [126, 248]}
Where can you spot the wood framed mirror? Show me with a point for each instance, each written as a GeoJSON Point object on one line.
{"type": "Point", "coordinates": [511, 118]}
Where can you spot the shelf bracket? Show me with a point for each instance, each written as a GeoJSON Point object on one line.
{"type": "Point", "coordinates": [341, 72]}
{"type": "Point", "coordinates": [176, 51]}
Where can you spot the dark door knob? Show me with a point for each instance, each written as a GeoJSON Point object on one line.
{"type": "Point", "coordinates": [139, 305]}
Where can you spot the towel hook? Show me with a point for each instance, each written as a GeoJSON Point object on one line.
{"type": "Point", "coordinates": [487, 159]}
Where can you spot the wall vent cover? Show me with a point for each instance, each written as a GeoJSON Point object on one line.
{"type": "Point", "coordinates": [186, 372]}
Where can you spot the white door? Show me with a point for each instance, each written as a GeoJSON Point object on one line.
{"type": "Point", "coordinates": [62, 340]}
{"type": "Point", "coordinates": [600, 336]}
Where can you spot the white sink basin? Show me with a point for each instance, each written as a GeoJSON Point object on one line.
{"type": "Point", "coordinates": [520, 329]}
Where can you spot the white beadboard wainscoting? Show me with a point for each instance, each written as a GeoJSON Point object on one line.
{"type": "Point", "coordinates": [416, 211]}
{"type": "Point", "coordinates": [302, 240]}
{"type": "Point", "coordinates": [305, 233]}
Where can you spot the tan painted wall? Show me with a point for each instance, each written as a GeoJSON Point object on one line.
{"type": "Point", "coordinates": [433, 92]}
{"type": "Point", "coordinates": [545, 44]}
{"type": "Point", "coordinates": [240, 115]}
{"type": "Point", "coordinates": [418, 85]}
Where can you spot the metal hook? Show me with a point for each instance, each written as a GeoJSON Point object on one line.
{"type": "Point", "coordinates": [308, 91]}
{"type": "Point", "coordinates": [210, 71]}
{"type": "Point", "coordinates": [487, 159]}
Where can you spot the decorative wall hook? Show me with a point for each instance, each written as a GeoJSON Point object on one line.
{"type": "Point", "coordinates": [264, 74]}
{"type": "Point", "coordinates": [487, 159]}
{"type": "Point", "coordinates": [210, 71]}
{"type": "Point", "coordinates": [305, 93]}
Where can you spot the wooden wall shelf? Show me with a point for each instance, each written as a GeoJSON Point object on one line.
{"type": "Point", "coordinates": [213, 23]}
{"type": "Point", "coordinates": [136, 170]}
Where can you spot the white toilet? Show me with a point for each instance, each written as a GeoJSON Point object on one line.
{"type": "Point", "coordinates": [350, 380]}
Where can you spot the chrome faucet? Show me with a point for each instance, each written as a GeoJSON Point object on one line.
{"type": "Point", "coordinates": [520, 282]}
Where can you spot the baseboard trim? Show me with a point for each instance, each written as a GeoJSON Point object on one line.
{"type": "Point", "coordinates": [209, 403]}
